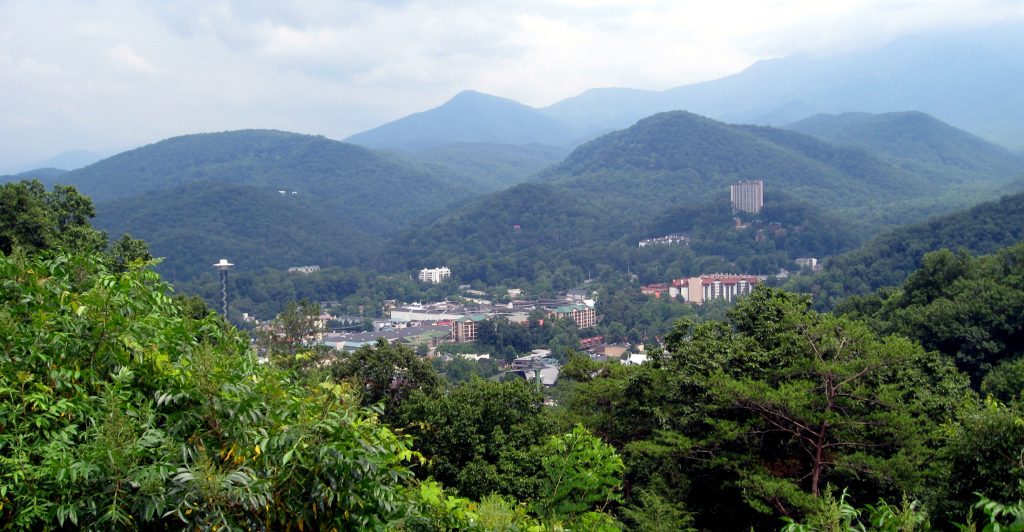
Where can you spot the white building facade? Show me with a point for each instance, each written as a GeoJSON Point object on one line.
{"type": "Point", "coordinates": [435, 275]}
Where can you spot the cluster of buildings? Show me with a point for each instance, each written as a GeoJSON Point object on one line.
{"type": "Point", "coordinates": [435, 323]}
{"type": "Point", "coordinates": [697, 290]}
{"type": "Point", "coordinates": [304, 269]}
{"type": "Point", "coordinates": [667, 240]}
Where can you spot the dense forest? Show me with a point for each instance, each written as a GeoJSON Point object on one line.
{"type": "Point", "coordinates": [123, 407]}
{"type": "Point", "coordinates": [889, 258]}
{"type": "Point", "coordinates": [198, 198]}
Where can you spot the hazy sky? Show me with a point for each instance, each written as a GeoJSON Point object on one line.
{"type": "Point", "coordinates": [106, 75]}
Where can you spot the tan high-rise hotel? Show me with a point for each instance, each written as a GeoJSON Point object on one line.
{"type": "Point", "coordinates": [747, 196]}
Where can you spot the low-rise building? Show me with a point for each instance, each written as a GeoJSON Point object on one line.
{"type": "Point", "coordinates": [583, 314]}
{"type": "Point", "coordinates": [435, 275]}
{"type": "Point", "coordinates": [667, 240]}
{"type": "Point", "coordinates": [430, 335]}
{"type": "Point", "coordinates": [465, 329]}
{"type": "Point", "coordinates": [810, 263]}
{"type": "Point", "coordinates": [655, 290]}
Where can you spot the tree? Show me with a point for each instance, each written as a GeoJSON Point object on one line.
{"type": "Point", "coordinates": [581, 474]}
{"type": "Point", "coordinates": [127, 251]}
{"type": "Point", "coordinates": [832, 403]}
{"type": "Point", "coordinates": [479, 436]}
{"type": "Point", "coordinates": [386, 374]}
{"type": "Point", "coordinates": [288, 340]}
{"type": "Point", "coordinates": [119, 411]}
{"type": "Point", "coordinates": [34, 219]}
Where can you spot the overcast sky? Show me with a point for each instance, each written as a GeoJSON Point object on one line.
{"type": "Point", "coordinates": [108, 75]}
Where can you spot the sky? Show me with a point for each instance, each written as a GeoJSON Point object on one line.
{"type": "Point", "coordinates": [110, 75]}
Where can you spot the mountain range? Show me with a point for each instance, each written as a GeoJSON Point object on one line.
{"type": "Point", "coordinates": [624, 185]}
{"type": "Point", "coordinates": [271, 199]}
{"type": "Point", "coordinates": [971, 82]}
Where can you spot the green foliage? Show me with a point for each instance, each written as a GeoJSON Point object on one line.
{"type": "Point", "coordinates": [285, 341]}
{"type": "Point", "coordinates": [119, 411]}
{"type": "Point", "coordinates": [479, 437]}
{"type": "Point", "coordinates": [256, 227]}
{"type": "Point", "coordinates": [753, 417]}
{"type": "Point", "coordinates": [652, 513]}
{"type": "Point", "coordinates": [983, 455]}
{"type": "Point", "coordinates": [838, 515]}
{"type": "Point", "coordinates": [1005, 381]}
{"type": "Point", "coordinates": [489, 166]}
{"type": "Point", "coordinates": [961, 306]}
{"type": "Point", "coordinates": [198, 198]}
{"type": "Point", "coordinates": [1001, 516]}
{"type": "Point", "coordinates": [33, 218]}
{"type": "Point", "coordinates": [888, 259]}
{"type": "Point", "coordinates": [126, 252]}
{"type": "Point", "coordinates": [460, 369]}
{"type": "Point", "coordinates": [833, 403]}
{"type": "Point", "coordinates": [697, 156]}
{"type": "Point", "coordinates": [386, 374]}
{"type": "Point", "coordinates": [581, 474]}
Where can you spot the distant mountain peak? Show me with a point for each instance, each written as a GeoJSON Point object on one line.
{"type": "Point", "coordinates": [472, 95]}
{"type": "Point", "coordinates": [470, 116]}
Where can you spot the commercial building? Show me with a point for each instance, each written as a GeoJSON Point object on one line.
{"type": "Point", "coordinates": [697, 290]}
{"type": "Point", "coordinates": [747, 196]}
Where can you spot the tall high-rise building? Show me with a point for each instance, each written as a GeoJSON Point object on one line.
{"type": "Point", "coordinates": [747, 196]}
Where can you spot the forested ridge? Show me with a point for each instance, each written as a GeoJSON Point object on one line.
{"type": "Point", "coordinates": [122, 407]}
{"type": "Point", "coordinates": [889, 258]}
{"type": "Point", "coordinates": [198, 198]}
{"type": "Point", "coordinates": [917, 142]}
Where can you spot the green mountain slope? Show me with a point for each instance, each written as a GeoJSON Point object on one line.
{"type": "Point", "coordinates": [377, 191]}
{"type": "Point", "coordinates": [919, 143]}
{"type": "Point", "coordinates": [488, 166]}
{"type": "Point", "coordinates": [681, 157]}
{"type": "Point", "coordinates": [261, 198]}
{"type": "Point", "coordinates": [469, 117]}
{"type": "Point", "coordinates": [669, 173]}
{"type": "Point", "coordinates": [196, 224]}
{"type": "Point", "coordinates": [887, 259]}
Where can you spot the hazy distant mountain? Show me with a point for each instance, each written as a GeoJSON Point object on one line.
{"type": "Point", "coordinates": [47, 176]}
{"type": "Point", "coordinates": [469, 117]}
{"type": "Point", "coordinates": [68, 160]}
{"type": "Point", "coordinates": [917, 142]}
{"type": "Point", "coordinates": [71, 160]}
{"type": "Point", "coordinates": [488, 166]}
{"type": "Point", "coordinates": [971, 84]}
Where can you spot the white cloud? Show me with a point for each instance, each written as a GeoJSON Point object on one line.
{"type": "Point", "coordinates": [124, 57]}
{"type": "Point", "coordinates": [110, 74]}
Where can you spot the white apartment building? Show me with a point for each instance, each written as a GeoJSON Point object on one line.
{"type": "Point", "coordinates": [435, 275]}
